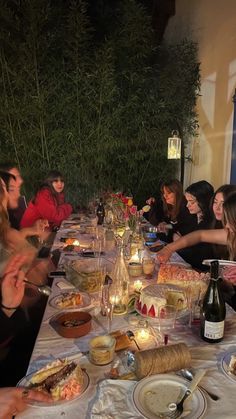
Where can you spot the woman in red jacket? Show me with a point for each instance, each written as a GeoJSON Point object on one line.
{"type": "Point", "coordinates": [48, 203]}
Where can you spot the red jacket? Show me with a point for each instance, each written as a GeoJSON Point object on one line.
{"type": "Point", "coordinates": [45, 206]}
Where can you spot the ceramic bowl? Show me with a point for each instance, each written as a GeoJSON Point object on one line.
{"type": "Point", "coordinates": [72, 324]}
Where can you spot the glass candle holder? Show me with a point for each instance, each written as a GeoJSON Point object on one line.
{"type": "Point", "coordinates": [148, 266]}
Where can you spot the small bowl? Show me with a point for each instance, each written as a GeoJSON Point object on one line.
{"type": "Point", "coordinates": [73, 324]}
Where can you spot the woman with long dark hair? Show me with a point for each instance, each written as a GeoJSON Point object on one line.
{"type": "Point", "coordinates": [48, 203]}
{"type": "Point", "coordinates": [199, 196]}
{"type": "Point", "coordinates": [170, 214]}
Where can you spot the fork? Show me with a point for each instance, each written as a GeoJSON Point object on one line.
{"type": "Point", "coordinates": [176, 409]}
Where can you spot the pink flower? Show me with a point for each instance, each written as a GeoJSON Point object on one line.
{"type": "Point", "coordinates": [133, 210]}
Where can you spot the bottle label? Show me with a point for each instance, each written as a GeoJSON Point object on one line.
{"type": "Point", "coordinates": [214, 330]}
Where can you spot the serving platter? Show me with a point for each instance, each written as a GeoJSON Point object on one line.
{"type": "Point", "coordinates": [152, 395]}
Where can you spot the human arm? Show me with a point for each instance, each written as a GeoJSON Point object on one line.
{"type": "Point", "coordinates": [49, 210]}
{"type": "Point", "coordinates": [191, 239]}
{"type": "Point", "coordinates": [36, 230]}
{"type": "Point", "coordinates": [12, 285]}
{"type": "Point", "coordinates": [14, 400]}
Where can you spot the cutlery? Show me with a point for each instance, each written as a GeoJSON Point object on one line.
{"type": "Point", "coordinates": [130, 335]}
{"type": "Point", "coordinates": [176, 409]}
{"type": "Point", "coordinates": [43, 289]}
{"type": "Point", "coordinates": [189, 376]}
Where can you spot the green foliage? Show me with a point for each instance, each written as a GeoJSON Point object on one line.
{"type": "Point", "coordinates": [86, 90]}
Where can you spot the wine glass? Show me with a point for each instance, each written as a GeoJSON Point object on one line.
{"type": "Point", "coordinates": [189, 298]}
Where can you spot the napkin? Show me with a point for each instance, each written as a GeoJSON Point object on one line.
{"type": "Point", "coordinates": [112, 398]}
{"type": "Point", "coordinates": [64, 285]}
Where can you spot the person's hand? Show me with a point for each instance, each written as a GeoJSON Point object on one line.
{"type": "Point", "coordinates": [14, 400]}
{"type": "Point", "coordinates": [150, 201]}
{"type": "Point", "coordinates": [230, 274]}
{"type": "Point", "coordinates": [13, 285]}
{"type": "Point", "coordinates": [163, 227]}
{"type": "Point", "coordinates": [164, 254]}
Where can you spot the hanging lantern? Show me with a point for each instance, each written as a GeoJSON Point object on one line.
{"type": "Point", "coordinates": [174, 146]}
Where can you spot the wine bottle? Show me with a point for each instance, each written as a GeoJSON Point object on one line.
{"type": "Point", "coordinates": [213, 309]}
{"type": "Point", "coordinates": [100, 212]}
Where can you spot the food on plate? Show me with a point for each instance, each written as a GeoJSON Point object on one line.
{"type": "Point", "coordinates": [69, 299]}
{"type": "Point", "coordinates": [184, 278]}
{"type": "Point", "coordinates": [150, 300]}
{"type": "Point", "coordinates": [62, 379]}
{"type": "Point", "coordinates": [232, 364]}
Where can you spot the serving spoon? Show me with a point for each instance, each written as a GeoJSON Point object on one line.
{"type": "Point", "coordinates": [189, 376]}
{"type": "Point", "coordinates": [43, 289]}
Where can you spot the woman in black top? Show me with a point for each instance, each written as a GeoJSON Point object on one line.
{"type": "Point", "coordinates": [199, 197]}
{"type": "Point", "coordinates": [170, 214]}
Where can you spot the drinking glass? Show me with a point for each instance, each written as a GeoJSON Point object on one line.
{"type": "Point", "coordinates": [148, 266]}
{"type": "Point", "coordinates": [189, 298]}
{"type": "Point", "coordinates": [167, 319]}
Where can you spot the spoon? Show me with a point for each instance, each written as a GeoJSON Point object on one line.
{"type": "Point", "coordinates": [189, 376]}
{"type": "Point", "coordinates": [43, 289]}
{"type": "Point", "coordinates": [130, 335]}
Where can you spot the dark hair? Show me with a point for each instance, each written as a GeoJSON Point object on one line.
{"type": "Point", "coordinates": [203, 192]}
{"type": "Point", "coordinates": [48, 184]}
{"type": "Point", "coordinates": [230, 217]}
{"type": "Point", "coordinates": [6, 177]}
{"type": "Point", "coordinates": [175, 186]}
{"type": "Point", "coordinates": [6, 166]}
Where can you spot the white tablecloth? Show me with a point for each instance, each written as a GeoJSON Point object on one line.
{"type": "Point", "coordinates": [118, 401]}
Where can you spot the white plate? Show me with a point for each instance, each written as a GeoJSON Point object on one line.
{"type": "Point", "coordinates": [163, 389]}
{"type": "Point", "coordinates": [25, 382]}
{"type": "Point", "coordinates": [86, 300]}
{"type": "Point", "coordinates": [162, 288]}
{"type": "Point", "coordinates": [225, 365]}
{"type": "Point", "coordinates": [222, 262]}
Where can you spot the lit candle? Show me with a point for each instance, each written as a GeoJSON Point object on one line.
{"type": "Point", "coordinates": [138, 285]}
{"type": "Point", "coordinates": [76, 242]}
{"type": "Point", "coordinates": [143, 334]}
{"type": "Point", "coordinates": [115, 299]}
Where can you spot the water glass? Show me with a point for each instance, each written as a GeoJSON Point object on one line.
{"type": "Point", "coordinates": [167, 318]}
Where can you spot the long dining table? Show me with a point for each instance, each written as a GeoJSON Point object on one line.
{"type": "Point", "coordinates": [108, 398]}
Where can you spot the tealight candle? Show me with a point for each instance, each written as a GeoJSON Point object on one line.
{"type": "Point", "coordinates": [138, 285]}
{"type": "Point", "coordinates": [115, 299]}
{"type": "Point", "coordinates": [143, 334]}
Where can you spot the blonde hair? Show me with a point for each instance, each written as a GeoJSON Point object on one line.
{"type": "Point", "coordinates": [230, 218]}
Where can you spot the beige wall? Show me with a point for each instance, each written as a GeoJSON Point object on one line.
{"type": "Point", "coordinates": [212, 24]}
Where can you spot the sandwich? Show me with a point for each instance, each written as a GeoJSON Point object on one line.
{"type": "Point", "coordinates": [61, 379]}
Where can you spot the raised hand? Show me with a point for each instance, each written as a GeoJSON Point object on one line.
{"type": "Point", "coordinates": [13, 285]}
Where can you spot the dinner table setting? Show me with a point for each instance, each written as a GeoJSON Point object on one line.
{"type": "Point", "coordinates": [132, 364]}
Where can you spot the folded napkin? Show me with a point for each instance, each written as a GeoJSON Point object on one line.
{"type": "Point", "coordinates": [112, 398]}
{"type": "Point", "coordinates": [64, 285]}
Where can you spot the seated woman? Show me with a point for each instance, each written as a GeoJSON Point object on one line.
{"type": "Point", "coordinates": [48, 203]}
{"type": "Point", "coordinates": [171, 212]}
{"type": "Point", "coordinates": [13, 323]}
{"type": "Point", "coordinates": [199, 196]}
{"type": "Point", "coordinates": [219, 251]}
{"type": "Point", "coordinates": [225, 236]}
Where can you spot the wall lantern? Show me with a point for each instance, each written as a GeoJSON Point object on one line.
{"type": "Point", "coordinates": [174, 146]}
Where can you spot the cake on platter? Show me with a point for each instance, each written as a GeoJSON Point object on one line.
{"type": "Point", "coordinates": [154, 296]}
{"type": "Point", "coordinates": [185, 278]}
